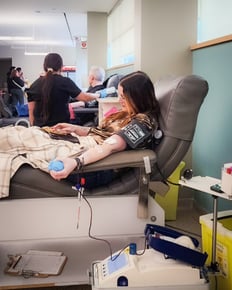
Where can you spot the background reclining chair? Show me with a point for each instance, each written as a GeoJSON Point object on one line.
{"type": "Point", "coordinates": [91, 110]}
{"type": "Point", "coordinates": [180, 100]}
{"type": "Point", "coordinates": [113, 81]}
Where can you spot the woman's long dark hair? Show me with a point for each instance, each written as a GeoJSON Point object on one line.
{"type": "Point", "coordinates": [139, 90]}
{"type": "Point", "coordinates": [52, 63]}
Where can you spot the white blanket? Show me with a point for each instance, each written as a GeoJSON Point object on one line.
{"type": "Point", "coordinates": [19, 145]}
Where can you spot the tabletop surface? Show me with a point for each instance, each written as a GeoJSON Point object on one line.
{"type": "Point", "coordinates": [203, 183]}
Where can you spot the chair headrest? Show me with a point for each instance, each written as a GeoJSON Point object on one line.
{"type": "Point", "coordinates": [180, 99]}
{"type": "Point", "coordinates": [113, 81]}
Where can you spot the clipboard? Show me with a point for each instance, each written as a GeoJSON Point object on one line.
{"type": "Point", "coordinates": [39, 264]}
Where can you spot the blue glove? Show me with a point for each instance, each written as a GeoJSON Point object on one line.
{"type": "Point", "coordinates": [103, 93]}
{"type": "Point", "coordinates": [111, 91]}
{"type": "Point", "coordinates": [56, 165]}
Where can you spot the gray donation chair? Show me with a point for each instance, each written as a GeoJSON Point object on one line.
{"type": "Point", "coordinates": [180, 100]}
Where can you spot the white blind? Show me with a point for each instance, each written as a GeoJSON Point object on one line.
{"type": "Point", "coordinates": [121, 34]}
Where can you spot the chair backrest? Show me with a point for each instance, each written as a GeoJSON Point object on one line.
{"type": "Point", "coordinates": [113, 81]}
{"type": "Point", "coordinates": [180, 100]}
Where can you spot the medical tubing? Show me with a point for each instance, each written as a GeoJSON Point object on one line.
{"type": "Point", "coordinates": [113, 258]}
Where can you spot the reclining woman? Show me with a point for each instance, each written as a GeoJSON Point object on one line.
{"type": "Point", "coordinates": [130, 128]}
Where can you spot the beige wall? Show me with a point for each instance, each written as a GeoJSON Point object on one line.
{"type": "Point", "coordinates": [97, 39]}
{"type": "Point", "coordinates": [164, 32]}
{"type": "Point", "coordinates": [165, 29]}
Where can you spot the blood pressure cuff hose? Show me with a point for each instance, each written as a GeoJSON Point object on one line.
{"type": "Point", "coordinates": [172, 249]}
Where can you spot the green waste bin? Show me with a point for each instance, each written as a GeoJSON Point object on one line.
{"type": "Point", "coordinates": [170, 200]}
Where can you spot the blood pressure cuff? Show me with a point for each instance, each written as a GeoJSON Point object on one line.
{"type": "Point", "coordinates": [136, 134]}
{"type": "Point", "coordinates": [171, 249]}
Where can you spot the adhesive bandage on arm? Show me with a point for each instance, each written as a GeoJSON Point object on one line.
{"type": "Point", "coordinates": [98, 152]}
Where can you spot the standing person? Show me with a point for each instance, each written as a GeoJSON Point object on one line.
{"type": "Point", "coordinates": [26, 83]}
{"type": "Point", "coordinates": [19, 69]}
{"type": "Point", "coordinates": [8, 99]}
{"type": "Point", "coordinates": [49, 95]}
{"type": "Point", "coordinates": [8, 78]}
{"type": "Point", "coordinates": [16, 86]}
{"type": "Point", "coordinates": [140, 113]}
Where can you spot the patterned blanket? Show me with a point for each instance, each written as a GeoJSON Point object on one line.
{"type": "Point", "coordinates": [20, 145]}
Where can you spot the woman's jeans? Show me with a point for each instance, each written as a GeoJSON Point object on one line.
{"type": "Point", "coordinates": [17, 97]}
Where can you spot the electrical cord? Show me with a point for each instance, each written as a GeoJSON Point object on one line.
{"type": "Point", "coordinates": [113, 258]}
{"type": "Point", "coordinates": [90, 227]}
{"type": "Point", "coordinates": [106, 241]}
{"type": "Point", "coordinates": [165, 180]}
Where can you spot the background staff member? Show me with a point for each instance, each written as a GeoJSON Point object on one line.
{"type": "Point", "coordinates": [49, 95]}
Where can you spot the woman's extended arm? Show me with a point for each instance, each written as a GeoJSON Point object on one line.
{"type": "Point", "coordinates": [113, 144]}
{"type": "Point", "coordinates": [87, 97]}
{"type": "Point", "coordinates": [71, 128]}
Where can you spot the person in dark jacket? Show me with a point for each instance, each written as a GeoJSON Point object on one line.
{"type": "Point", "coordinates": [8, 78]}
{"type": "Point", "coordinates": [16, 88]}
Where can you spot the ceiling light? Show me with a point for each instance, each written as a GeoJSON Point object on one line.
{"type": "Point", "coordinates": [35, 53]}
{"type": "Point", "coordinates": [16, 37]}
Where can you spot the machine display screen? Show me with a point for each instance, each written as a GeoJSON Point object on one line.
{"type": "Point", "coordinates": [114, 265]}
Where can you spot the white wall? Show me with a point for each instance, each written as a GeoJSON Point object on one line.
{"type": "Point", "coordinates": [33, 65]}
{"type": "Point", "coordinates": [214, 19]}
{"type": "Point", "coordinates": [81, 55]}
{"type": "Point", "coordinates": [163, 35]}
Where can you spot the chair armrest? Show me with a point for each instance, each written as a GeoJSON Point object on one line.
{"type": "Point", "coordinates": [81, 110]}
{"type": "Point", "coordinates": [132, 158]}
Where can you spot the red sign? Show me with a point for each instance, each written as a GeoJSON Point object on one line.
{"type": "Point", "coordinates": [83, 44]}
{"type": "Point", "coordinates": [68, 68]}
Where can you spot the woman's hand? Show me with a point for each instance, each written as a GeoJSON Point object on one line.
{"type": "Point", "coordinates": [65, 128]}
{"type": "Point", "coordinates": [69, 165]}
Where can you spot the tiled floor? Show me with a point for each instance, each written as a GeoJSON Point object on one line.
{"type": "Point", "coordinates": [187, 221]}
